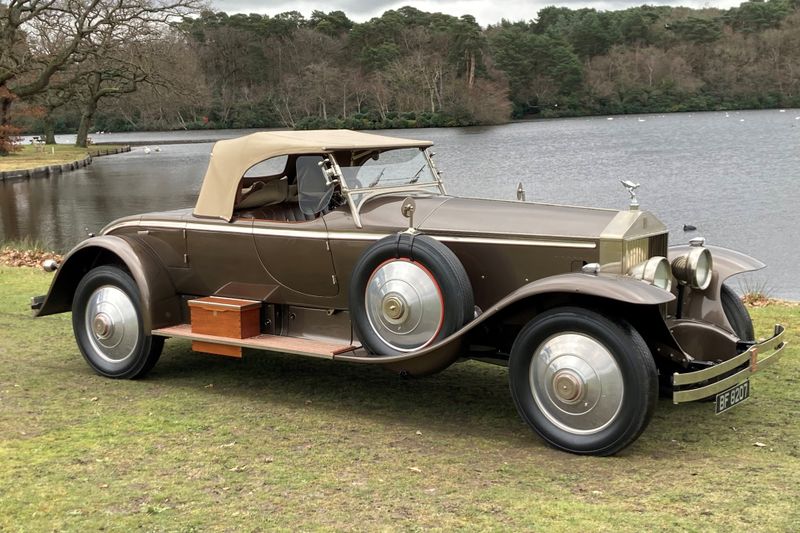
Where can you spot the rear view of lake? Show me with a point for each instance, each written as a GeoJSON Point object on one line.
{"type": "Point", "coordinates": [735, 176]}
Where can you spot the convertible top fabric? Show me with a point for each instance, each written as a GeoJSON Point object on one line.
{"type": "Point", "coordinates": [230, 159]}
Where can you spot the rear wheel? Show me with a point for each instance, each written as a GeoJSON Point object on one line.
{"type": "Point", "coordinates": [107, 321]}
{"type": "Point", "coordinates": [584, 383]}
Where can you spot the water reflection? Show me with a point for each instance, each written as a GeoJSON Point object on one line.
{"type": "Point", "coordinates": [60, 210]}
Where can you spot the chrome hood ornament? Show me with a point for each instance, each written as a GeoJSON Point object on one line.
{"type": "Point", "coordinates": [631, 188]}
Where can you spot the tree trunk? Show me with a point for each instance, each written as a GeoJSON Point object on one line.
{"type": "Point", "coordinates": [49, 124]}
{"type": "Point", "coordinates": [471, 77]}
{"type": "Point", "coordinates": [5, 121]}
{"type": "Point", "coordinates": [83, 129]}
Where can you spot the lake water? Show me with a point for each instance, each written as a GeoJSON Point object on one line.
{"type": "Point", "coordinates": [736, 176]}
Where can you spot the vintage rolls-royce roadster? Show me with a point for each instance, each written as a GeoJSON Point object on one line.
{"type": "Point", "coordinates": [345, 246]}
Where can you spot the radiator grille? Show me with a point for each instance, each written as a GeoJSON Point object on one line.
{"type": "Point", "coordinates": [658, 245]}
{"type": "Point", "coordinates": [640, 250]}
{"type": "Point", "coordinates": [634, 252]}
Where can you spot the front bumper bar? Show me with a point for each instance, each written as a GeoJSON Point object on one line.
{"type": "Point", "coordinates": [691, 386]}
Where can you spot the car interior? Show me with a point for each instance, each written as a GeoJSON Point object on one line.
{"type": "Point", "coordinates": [298, 193]}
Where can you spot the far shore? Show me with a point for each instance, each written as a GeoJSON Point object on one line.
{"type": "Point", "coordinates": [210, 135]}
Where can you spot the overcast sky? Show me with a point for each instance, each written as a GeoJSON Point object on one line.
{"type": "Point", "coordinates": [486, 12]}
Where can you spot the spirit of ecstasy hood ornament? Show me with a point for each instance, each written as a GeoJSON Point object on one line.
{"type": "Point", "coordinates": [631, 187]}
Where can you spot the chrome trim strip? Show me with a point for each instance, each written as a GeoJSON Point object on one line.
{"type": "Point", "coordinates": [342, 235]}
{"type": "Point", "coordinates": [515, 242]}
{"type": "Point", "coordinates": [775, 345]}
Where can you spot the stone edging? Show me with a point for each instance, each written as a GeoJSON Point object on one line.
{"type": "Point", "coordinates": [51, 170]}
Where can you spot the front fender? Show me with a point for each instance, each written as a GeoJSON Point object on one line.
{"type": "Point", "coordinates": [608, 286]}
{"type": "Point", "coordinates": [726, 262]}
{"type": "Point", "coordinates": [706, 305]}
{"type": "Point", "coordinates": [160, 302]}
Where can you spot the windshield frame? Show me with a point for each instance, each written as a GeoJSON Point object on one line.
{"type": "Point", "coordinates": [367, 193]}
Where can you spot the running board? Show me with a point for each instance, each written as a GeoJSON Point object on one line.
{"type": "Point", "coordinates": [272, 343]}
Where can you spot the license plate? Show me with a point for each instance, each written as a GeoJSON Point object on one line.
{"type": "Point", "coordinates": [733, 396]}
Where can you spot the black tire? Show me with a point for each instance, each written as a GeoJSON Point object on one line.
{"type": "Point", "coordinates": [118, 319]}
{"type": "Point", "coordinates": [426, 255]}
{"type": "Point", "coordinates": [619, 351]}
{"type": "Point", "coordinates": [737, 314]}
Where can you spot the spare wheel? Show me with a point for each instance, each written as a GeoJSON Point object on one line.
{"type": "Point", "coordinates": [408, 291]}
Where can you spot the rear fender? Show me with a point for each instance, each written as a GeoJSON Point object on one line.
{"type": "Point", "coordinates": [613, 289]}
{"type": "Point", "coordinates": [160, 302]}
{"type": "Point", "coordinates": [706, 305]}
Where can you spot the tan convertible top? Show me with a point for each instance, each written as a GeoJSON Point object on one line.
{"type": "Point", "coordinates": [231, 159]}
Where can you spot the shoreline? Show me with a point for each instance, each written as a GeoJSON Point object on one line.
{"type": "Point", "coordinates": [536, 118]}
{"type": "Point", "coordinates": [46, 171]}
{"type": "Point", "coordinates": [209, 136]}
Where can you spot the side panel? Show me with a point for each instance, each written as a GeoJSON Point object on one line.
{"type": "Point", "coordinates": [302, 265]}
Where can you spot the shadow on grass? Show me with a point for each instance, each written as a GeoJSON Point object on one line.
{"type": "Point", "coordinates": [464, 398]}
{"type": "Point", "coordinates": [467, 400]}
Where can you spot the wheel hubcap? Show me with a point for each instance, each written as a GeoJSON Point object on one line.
{"type": "Point", "coordinates": [112, 324]}
{"type": "Point", "coordinates": [103, 326]}
{"type": "Point", "coordinates": [568, 386]}
{"type": "Point", "coordinates": [394, 308]}
{"type": "Point", "coordinates": [576, 383]}
{"type": "Point", "coordinates": [404, 305]}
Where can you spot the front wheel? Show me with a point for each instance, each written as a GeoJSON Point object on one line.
{"type": "Point", "coordinates": [586, 384]}
{"type": "Point", "coordinates": [107, 321]}
{"type": "Point", "coordinates": [737, 314]}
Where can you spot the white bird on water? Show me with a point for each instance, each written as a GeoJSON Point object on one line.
{"type": "Point", "coordinates": [146, 149]}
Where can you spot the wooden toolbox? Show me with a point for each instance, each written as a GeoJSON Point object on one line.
{"type": "Point", "coordinates": [224, 317]}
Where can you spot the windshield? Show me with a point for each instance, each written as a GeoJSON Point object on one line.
{"type": "Point", "coordinates": [393, 168]}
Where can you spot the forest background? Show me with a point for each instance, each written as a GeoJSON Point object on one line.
{"type": "Point", "coordinates": [193, 69]}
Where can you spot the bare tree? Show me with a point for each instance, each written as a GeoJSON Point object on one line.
{"type": "Point", "coordinates": [39, 38]}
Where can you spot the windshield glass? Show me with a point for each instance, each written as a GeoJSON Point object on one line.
{"type": "Point", "coordinates": [393, 168]}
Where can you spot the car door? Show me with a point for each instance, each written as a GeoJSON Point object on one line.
{"type": "Point", "coordinates": [293, 245]}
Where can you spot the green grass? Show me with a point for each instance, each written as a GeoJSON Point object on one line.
{"type": "Point", "coordinates": [279, 442]}
{"type": "Point", "coordinates": [33, 157]}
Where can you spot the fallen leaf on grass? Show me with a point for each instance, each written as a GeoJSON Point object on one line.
{"type": "Point", "coordinates": [227, 445]}
{"type": "Point", "coordinates": [241, 468]}
{"type": "Point", "coordinates": [759, 444]}
{"type": "Point", "coordinates": [419, 432]}
{"type": "Point", "coordinates": [415, 469]}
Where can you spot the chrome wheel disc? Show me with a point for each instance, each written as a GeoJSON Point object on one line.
{"type": "Point", "coordinates": [404, 305]}
{"type": "Point", "coordinates": [112, 325]}
{"type": "Point", "coordinates": [576, 383]}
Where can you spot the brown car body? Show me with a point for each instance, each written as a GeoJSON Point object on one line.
{"type": "Point", "coordinates": [523, 260]}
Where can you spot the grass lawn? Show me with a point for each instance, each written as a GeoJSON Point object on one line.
{"type": "Point", "coordinates": [58, 154]}
{"type": "Point", "coordinates": [279, 442]}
